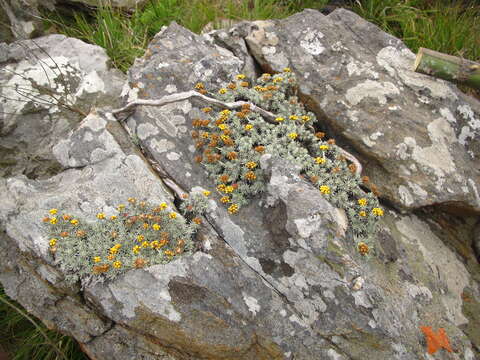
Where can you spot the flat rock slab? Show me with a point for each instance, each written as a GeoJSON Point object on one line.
{"type": "Point", "coordinates": [418, 136]}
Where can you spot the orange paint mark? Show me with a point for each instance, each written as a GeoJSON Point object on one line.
{"type": "Point", "coordinates": [436, 341]}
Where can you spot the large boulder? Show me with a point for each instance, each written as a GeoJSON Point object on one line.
{"type": "Point", "coordinates": [282, 279]}
{"type": "Point", "coordinates": [45, 91]}
{"type": "Point", "coordinates": [418, 135]}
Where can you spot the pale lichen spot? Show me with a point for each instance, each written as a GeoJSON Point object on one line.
{"type": "Point", "coordinates": [252, 304]}
{"type": "Point", "coordinates": [171, 88]}
{"type": "Point", "coordinates": [405, 195]}
{"type": "Point", "coordinates": [311, 42]}
{"type": "Point", "coordinates": [173, 156]}
{"type": "Point", "coordinates": [146, 130]}
{"type": "Point", "coordinates": [371, 89]}
{"type": "Point", "coordinates": [162, 145]}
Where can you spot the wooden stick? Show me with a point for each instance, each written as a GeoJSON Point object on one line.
{"type": "Point", "coordinates": [448, 67]}
{"type": "Point", "coordinates": [192, 94]}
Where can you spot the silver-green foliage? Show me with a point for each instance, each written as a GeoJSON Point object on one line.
{"type": "Point", "coordinates": [291, 136]}
{"type": "Point", "coordinates": [143, 234]}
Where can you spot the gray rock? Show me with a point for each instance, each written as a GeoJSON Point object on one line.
{"type": "Point", "coordinates": [44, 91]}
{"type": "Point", "coordinates": [417, 135]}
{"type": "Point", "coordinates": [280, 280]}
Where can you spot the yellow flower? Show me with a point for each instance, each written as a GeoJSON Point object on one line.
{"type": "Point", "coordinates": [131, 200]}
{"type": "Point", "coordinates": [101, 215]}
{"type": "Point", "coordinates": [146, 226]}
{"type": "Point", "coordinates": [324, 189]}
{"type": "Point", "coordinates": [362, 213]}
{"type": "Point", "coordinates": [362, 202]}
{"type": "Point", "coordinates": [223, 126]}
{"type": "Point", "coordinates": [266, 75]}
{"type": "Point", "coordinates": [136, 249]}
{"type": "Point", "coordinates": [53, 242]}
{"type": "Point", "coordinates": [293, 135]}
{"type": "Point", "coordinates": [377, 212]}
{"type": "Point", "coordinates": [305, 118]}
{"type": "Point", "coordinates": [117, 264]}
{"type": "Point", "coordinates": [53, 220]}
{"type": "Point", "coordinates": [225, 112]}
{"type": "Point", "coordinates": [248, 127]}
{"type": "Point", "coordinates": [324, 147]}
{"type": "Point", "coordinates": [113, 217]}
{"type": "Point", "coordinates": [155, 244]}
{"type": "Point", "coordinates": [97, 259]}
{"type": "Point", "coordinates": [140, 238]}
{"type": "Point", "coordinates": [110, 257]}
{"type": "Point", "coordinates": [222, 91]}
{"type": "Point", "coordinates": [199, 86]}
{"type": "Point", "coordinates": [74, 222]}
{"type": "Point", "coordinates": [121, 207]}
{"type": "Point", "coordinates": [207, 109]}
{"type": "Point", "coordinates": [221, 187]}
{"type": "Point", "coordinates": [233, 209]}
{"type": "Point", "coordinates": [251, 165]}
{"type": "Point", "coordinates": [53, 211]}
{"type": "Point", "coordinates": [207, 193]}
{"type": "Point", "coordinates": [287, 70]}
{"type": "Point", "coordinates": [240, 77]}
{"type": "Point", "coordinates": [225, 199]}
{"type": "Point", "coordinates": [293, 117]}
{"type": "Point", "coordinates": [169, 253]}
{"type": "Point", "coordinates": [320, 160]}
{"type": "Point", "coordinates": [145, 244]}
{"type": "Point", "coordinates": [163, 206]}
{"type": "Point", "coordinates": [278, 119]}
{"type": "Point", "coordinates": [278, 79]}
{"type": "Point", "coordinates": [229, 189]}
{"type": "Point", "coordinates": [363, 248]}
{"type": "Point", "coordinates": [257, 88]}
{"type": "Point", "coordinates": [66, 217]}
{"type": "Point", "coordinates": [172, 215]}
{"type": "Point", "coordinates": [156, 227]}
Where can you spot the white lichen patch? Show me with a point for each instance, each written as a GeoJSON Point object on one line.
{"type": "Point", "coordinates": [422, 291]}
{"type": "Point", "coordinates": [417, 190]}
{"type": "Point", "coordinates": [358, 68]}
{"type": "Point", "coordinates": [405, 195]}
{"type": "Point", "coordinates": [472, 128]}
{"type": "Point", "coordinates": [447, 115]}
{"type": "Point", "coordinates": [49, 72]}
{"type": "Point", "coordinates": [252, 304]}
{"type": "Point", "coordinates": [146, 130]}
{"type": "Point", "coordinates": [353, 115]}
{"type": "Point", "coordinates": [173, 156]}
{"type": "Point", "coordinates": [371, 89]}
{"type": "Point", "coordinates": [440, 262]}
{"type": "Point", "coordinates": [162, 145]}
{"type": "Point", "coordinates": [437, 156]}
{"type": "Point", "coordinates": [91, 83]}
{"type": "Point", "coordinates": [171, 88]}
{"type": "Point", "coordinates": [391, 59]}
{"type": "Point", "coordinates": [311, 42]}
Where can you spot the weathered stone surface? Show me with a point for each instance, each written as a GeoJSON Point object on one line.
{"type": "Point", "coordinates": [43, 90]}
{"type": "Point", "coordinates": [280, 280]}
{"type": "Point", "coordinates": [418, 136]}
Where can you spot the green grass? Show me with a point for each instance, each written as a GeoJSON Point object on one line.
{"type": "Point", "coordinates": [445, 26]}
{"type": "Point", "coordinates": [24, 337]}
{"type": "Point", "coordinates": [442, 25]}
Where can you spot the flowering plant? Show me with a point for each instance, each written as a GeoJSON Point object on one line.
{"type": "Point", "coordinates": [230, 143]}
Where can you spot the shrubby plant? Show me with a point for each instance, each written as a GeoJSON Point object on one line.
{"type": "Point", "coordinates": [137, 235]}
{"type": "Point", "coordinates": [230, 143]}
